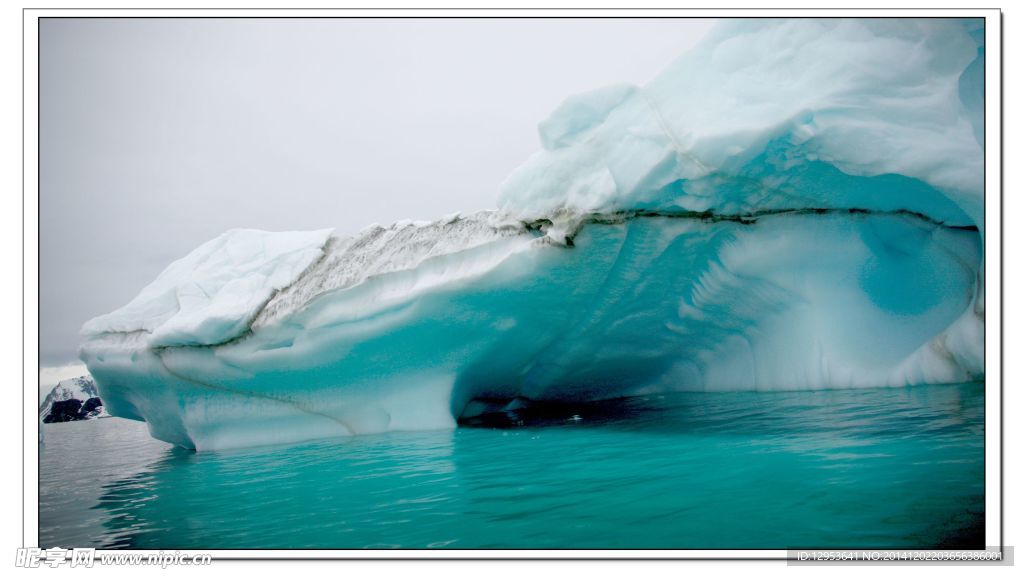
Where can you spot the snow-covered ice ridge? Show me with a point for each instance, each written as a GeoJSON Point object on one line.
{"type": "Point", "coordinates": [794, 204]}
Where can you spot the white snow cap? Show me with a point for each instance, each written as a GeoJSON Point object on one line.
{"type": "Point", "coordinates": [211, 295]}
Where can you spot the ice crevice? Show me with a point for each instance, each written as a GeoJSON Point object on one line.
{"type": "Point", "coordinates": [569, 225]}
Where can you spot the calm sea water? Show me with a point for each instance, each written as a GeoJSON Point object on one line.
{"type": "Point", "coordinates": [870, 468]}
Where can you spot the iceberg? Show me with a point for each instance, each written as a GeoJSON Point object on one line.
{"type": "Point", "coordinates": [792, 205]}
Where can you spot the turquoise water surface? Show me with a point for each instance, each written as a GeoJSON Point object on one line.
{"type": "Point", "coordinates": [880, 468]}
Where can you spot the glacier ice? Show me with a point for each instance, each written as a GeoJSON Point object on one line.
{"type": "Point", "coordinates": [794, 204]}
{"type": "Point", "coordinates": [777, 114]}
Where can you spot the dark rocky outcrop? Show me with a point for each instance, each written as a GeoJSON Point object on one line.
{"type": "Point", "coordinates": [73, 399]}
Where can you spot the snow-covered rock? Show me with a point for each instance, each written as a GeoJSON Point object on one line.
{"type": "Point", "coordinates": [72, 399]}
{"type": "Point", "coordinates": [795, 204]}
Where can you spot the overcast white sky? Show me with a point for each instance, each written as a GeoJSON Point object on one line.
{"type": "Point", "coordinates": [159, 134]}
